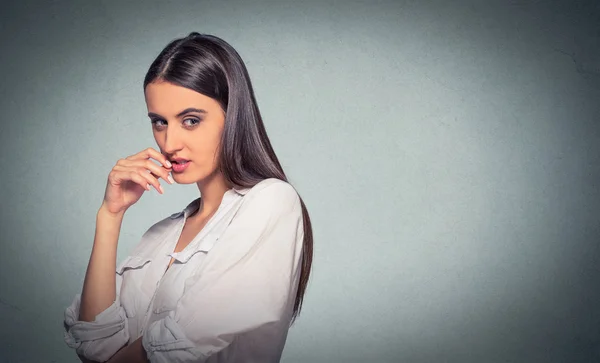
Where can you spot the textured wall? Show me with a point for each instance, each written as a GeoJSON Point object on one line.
{"type": "Point", "coordinates": [448, 154]}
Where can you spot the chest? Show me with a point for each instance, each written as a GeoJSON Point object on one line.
{"type": "Point", "coordinates": [152, 288]}
{"type": "Point", "coordinates": [152, 291]}
{"type": "Point", "coordinates": [191, 229]}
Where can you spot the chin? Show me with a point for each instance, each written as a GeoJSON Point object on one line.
{"type": "Point", "coordinates": [188, 180]}
{"type": "Point", "coordinates": [194, 178]}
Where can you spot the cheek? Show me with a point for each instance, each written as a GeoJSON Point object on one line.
{"type": "Point", "coordinates": [206, 143]}
{"type": "Point", "coordinates": [208, 150]}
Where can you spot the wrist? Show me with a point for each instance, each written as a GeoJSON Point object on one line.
{"type": "Point", "coordinates": [104, 212]}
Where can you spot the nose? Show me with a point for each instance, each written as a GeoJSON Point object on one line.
{"type": "Point", "coordinates": [171, 142]}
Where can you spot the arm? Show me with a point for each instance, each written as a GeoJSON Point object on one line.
{"type": "Point", "coordinates": [95, 323]}
{"type": "Point", "coordinates": [99, 287]}
{"type": "Point", "coordinates": [120, 355]}
{"type": "Point", "coordinates": [248, 285]}
{"type": "Point", "coordinates": [133, 353]}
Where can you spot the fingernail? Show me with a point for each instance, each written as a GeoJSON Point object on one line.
{"type": "Point", "coordinates": [168, 164]}
{"type": "Point", "coordinates": [170, 179]}
{"type": "Point", "coordinates": [161, 188]}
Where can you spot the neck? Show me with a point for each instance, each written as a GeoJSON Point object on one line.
{"type": "Point", "coordinates": [212, 190]}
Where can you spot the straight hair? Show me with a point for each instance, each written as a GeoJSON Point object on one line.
{"type": "Point", "coordinates": [210, 66]}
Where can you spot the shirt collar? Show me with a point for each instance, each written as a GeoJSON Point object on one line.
{"type": "Point", "coordinates": [193, 205]}
{"type": "Point", "coordinates": [240, 190]}
{"type": "Point", "coordinates": [215, 226]}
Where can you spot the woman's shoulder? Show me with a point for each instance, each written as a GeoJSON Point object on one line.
{"type": "Point", "coordinates": [266, 204]}
{"type": "Point", "coordinates": [272, 190]}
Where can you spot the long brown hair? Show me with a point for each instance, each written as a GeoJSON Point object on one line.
{"type": "Point", "coordinates": [209, 65]}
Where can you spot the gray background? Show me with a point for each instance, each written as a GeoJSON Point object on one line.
{"type": "Point", "coordinates": [447, 152]}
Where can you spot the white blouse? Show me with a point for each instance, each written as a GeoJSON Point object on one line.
{"type": "Point", "coordinates": [227, 297]}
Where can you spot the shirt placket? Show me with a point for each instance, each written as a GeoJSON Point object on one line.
{"type": "Point", "coordinates": [225, 205]}
{"type": "Point", "coordinates": [164, 273]}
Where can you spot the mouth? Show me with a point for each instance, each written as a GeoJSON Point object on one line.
{"type": "Point", "coordinates": [179, 161]}
{"type": "Point", "coordinates": [180, 165]}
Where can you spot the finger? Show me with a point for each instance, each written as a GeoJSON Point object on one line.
{"type": "Point", "coordinates": [139, 179]}
{"type": "Point", "coordinates": [147, 165]}
{"type": "Point", "coordinates": [121, 174]}
{"type": "Point", "coordinates": [151, 153]}
{"type": "Point", "coordinates": [150, 180]}
{"type": "Point", "coordinates": [159, 171]}
{"type": "Point", "coordinates": [135, 173]}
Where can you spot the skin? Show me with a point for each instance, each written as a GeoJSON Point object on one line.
{"type": "Point", "coordinates": [183, 136]}
{"type": "Point", "coordinates": [194, 136]}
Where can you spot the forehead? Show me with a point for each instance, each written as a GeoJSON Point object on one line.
{"type": "Point", "coordinates": [169, 99]}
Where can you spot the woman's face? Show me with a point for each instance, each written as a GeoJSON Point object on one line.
{"type": "Point", "coordinates": [186, 124]}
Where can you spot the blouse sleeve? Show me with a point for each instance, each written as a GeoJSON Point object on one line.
{"type": "Point", "coordinates": [100, 339]}
{"type": "Point", "coordinates": [244, 288]}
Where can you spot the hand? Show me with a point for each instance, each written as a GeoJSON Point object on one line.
{"type": "Point", "coordinates": [131, 176]}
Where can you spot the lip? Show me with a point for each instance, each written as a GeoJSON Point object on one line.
{"type": "Point", "coordinates": [177, 168]}
{"type": "Point", "coordinates": [178, 159]}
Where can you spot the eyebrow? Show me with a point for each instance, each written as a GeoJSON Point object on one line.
{"type": "Point", "coordinates": [187, 110]}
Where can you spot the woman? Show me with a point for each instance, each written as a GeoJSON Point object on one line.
{"type": "Point", "coordinates": [223, 279]}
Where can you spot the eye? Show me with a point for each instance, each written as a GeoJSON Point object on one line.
{"type": "Point", "coordinates": [155, 122]}
{"type": "Point", "coordinates": [195, 120]}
